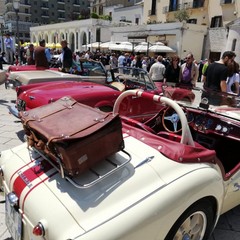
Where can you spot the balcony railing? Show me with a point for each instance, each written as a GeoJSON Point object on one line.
{"type": "Point", "coordinates": [186, 5]}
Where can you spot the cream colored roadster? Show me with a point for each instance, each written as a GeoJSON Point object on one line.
{"type": "Point", "coordinates": [179, 171]}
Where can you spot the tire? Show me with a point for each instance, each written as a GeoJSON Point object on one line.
{"type": "Point", "coordinates": [106, 108]}
{"type": "Point", "coordinates": [196, 223]}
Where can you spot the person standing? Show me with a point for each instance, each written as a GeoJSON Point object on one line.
{"type": "Point", "coordinates": [67, 59]}
{"type": "Point", "coordinates": [233, 79]}
{"type": "Point", "coordinates": [9, 48]}
{"type": "Point", "coordinates": [157, 70]}
{"type": "Point", "coordinates": [121, 59]}
{"type": "Point", "coordinates": [29, 55]}
{"type": "Point", "coordinates": [216, 74]}
{"type": "Point", "coordinates": [188, 72]}
{"type": "Point", "coordinates": [113, 61]}
{"type": "Point", "coordinates": [173, 70]}
{"type": "Point", "coordinates": [42, 55]}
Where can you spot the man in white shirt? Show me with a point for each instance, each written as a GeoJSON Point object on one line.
{"type": "Point", "coordinates": [157, 70]}
{"type": "Point", "coordinates": [121, 59]}
{"type": "Point", "coordinates": [9, 48]}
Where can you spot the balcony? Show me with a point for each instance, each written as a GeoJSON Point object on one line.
{"type": "Point", "coordinates": [25, 2]}
{"type": "Point", "coordinates": [186, 5]}
{"type": "Point", "coordinates": [44, 7]}
{"type": "Point", "coordinates": [45, 14]}
{"type": "Point", "coordinates": [76, 3]}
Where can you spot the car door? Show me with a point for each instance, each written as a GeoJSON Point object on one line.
{"type": "Point", "coordinates": [232, 185]}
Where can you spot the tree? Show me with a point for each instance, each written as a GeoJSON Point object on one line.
{"type": "Point", "coordinates": [182, 15]}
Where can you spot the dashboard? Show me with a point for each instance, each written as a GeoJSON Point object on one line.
{"type": "Point", "coordinates": [206, 122]}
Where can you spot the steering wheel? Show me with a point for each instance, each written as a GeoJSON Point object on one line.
{"type": "Point", "coordinates": [171, 121]}
{"type": "Point", "coordinates": [186, 137]}
{"type": "Point", "coordinates": [120, 78]}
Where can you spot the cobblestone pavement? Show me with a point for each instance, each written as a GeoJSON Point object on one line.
{"type": "Point", "coordinates": [11, 134]}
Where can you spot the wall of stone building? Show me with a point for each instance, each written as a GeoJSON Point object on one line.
{"type": "Point", "coordinates": [234, 36]}
{"type": "Point", "coordinates": [218, 39]}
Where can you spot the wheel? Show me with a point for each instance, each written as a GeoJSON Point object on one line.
{"type": "Point", "coordinates": [196, 223]}
{"type": "Point", "coordinates": [106, 108]}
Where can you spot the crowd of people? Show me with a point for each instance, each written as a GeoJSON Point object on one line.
{"type": "Point", "coordinates": [221, 75]}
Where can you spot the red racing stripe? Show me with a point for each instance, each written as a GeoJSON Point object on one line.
{"type": "Point", "coordinates": [25, 178]}
{"type": "Point", "coordinates": [35, 187]}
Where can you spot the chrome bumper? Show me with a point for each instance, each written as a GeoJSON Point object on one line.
{"type": "Point", "coordinates": [13, 110]}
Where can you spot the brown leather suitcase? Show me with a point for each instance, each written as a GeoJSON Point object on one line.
{"type": "Point", "coordinates": [73, 134]}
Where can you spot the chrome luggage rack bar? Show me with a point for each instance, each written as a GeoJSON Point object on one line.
{"type": "Point", "coordinates": [99, 176]}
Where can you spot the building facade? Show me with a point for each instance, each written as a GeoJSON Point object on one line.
{"type": "Point", "coordinates": [42, 12]}
{"type": "Point", "coordinates": [205, 28]}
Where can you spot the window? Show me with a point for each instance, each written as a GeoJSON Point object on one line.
{"type": "Point", "coordinates": [194, 21]}
{"type": "Point", "coordinates": [153, 8]}
{"type": "Point", "coordinates": [98, 35]}
{"type": "Point", "coordinates": [173, 5]}
{"type": "Point", "coordinates": [234, 42]}
{"type": "Point", "coordinates": [101, 10]}
{"type": "Point", "coordinates": [198, 3]}
{"type": "Point", "coordinates": [137, 21]}
{"type": "Point", "coordinates": [227, 1]}
{"type": "Point", "coordinates": [216, 22]}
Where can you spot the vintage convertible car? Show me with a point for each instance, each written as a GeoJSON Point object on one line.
{"type": "Point", "coordinates": [29, 74]}
{"type": "Point", "coordinates": [96, 95]}
{"type": "Point", "coordinates": [179, 172]}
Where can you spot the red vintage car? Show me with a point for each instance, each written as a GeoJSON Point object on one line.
{"type": "Point", "coordinates": [101, 96]}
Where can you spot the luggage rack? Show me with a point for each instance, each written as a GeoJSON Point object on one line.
{"type": "Point", "coordinates": [99, 178]}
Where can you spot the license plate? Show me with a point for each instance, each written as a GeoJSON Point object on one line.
{"type": "Point", "coordinates": [13, 221]}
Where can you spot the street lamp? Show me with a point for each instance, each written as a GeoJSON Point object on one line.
{"type": "Point", "coordinates": [16, 6]}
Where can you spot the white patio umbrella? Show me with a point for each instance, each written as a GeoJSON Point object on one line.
{"type": "Point", "coordinates": [142, 47]}
{"type": "Point", "coordinates": [121, 46]}
{"type": "Point", "coordinates": [94, 45]}
{"type": "Point", "coordinates": [160, 48]}
{"type": "Point", "coordinates": [105, 45]}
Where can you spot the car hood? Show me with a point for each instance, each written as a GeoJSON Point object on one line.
{"type": "Point", "coordinates": [54, 91]}
{"type": "Point", "coordinates": [27, 77]}
{"type": "Point", "coordinates": [146, 173]}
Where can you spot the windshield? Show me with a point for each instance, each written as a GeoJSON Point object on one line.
{"type": "Point", "coordinates": [217, 102]}
{"type": "Point", "coordinates": [133, 77]}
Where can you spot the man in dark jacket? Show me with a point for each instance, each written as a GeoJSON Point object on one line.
{"type": "Point", "coordinates": [67, 59]}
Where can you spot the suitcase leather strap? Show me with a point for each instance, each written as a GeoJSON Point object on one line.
{"type": "Point", "coordinates": [48, 110]}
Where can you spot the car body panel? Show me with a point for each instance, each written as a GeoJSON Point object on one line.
{"type": "Point", "coordinates": [111, 198]}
